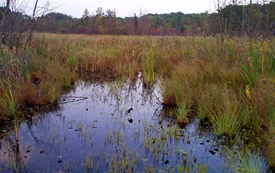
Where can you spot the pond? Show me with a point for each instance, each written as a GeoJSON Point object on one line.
{"type": "Point", "coordinates": [114, 127]}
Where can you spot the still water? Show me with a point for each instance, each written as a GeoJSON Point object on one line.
{"type": "Point", "coordinates": [111, 127]}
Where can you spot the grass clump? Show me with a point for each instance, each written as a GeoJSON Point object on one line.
{"type": "Point", "coordinates": [228, 115]}
{"type": "Point", "coordinates": [247, 161]}
{"type": "Point", "coordinates": [8, 105]}
{"type": "Point", "coordinates": [181, 114]}
{"type": "Point", "coordinates": [148, 68]}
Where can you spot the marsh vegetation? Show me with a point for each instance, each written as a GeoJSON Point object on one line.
{"type": "Point", "coordinates": [225, 88]}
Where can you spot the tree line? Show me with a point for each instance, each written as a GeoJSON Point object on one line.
{"type": "Point", "coordinates": [234, 18]}
{"type": "Point", "coordinates": [149, 24]}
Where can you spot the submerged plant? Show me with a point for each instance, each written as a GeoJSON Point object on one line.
{"type": "Point", "coordinates": [88, 163]}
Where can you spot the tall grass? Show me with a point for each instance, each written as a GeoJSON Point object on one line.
{"type": "Point", "coordinates": [233, 87]}
{"type": "Point", "coordinates": [270, 138]}
{"type": "Point", "coordinates": [148, 67]}
{"type": "Point", "coordinates": [196, 73]}
{"type": "Point", "coordinates": [251, 71]}
{"type": "Point", "coordinates": [228, 116]}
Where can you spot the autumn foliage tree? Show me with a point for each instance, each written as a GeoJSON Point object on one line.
{"type": "Point", "coordinates": [232, 18]}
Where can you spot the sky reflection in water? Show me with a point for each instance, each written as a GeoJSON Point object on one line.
{"type": "Point", "coordinates": [109, 128]}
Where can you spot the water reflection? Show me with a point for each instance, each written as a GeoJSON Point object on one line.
{"type": "Point", "coordinates": [110, 127]}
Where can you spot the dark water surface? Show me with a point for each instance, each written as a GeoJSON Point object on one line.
{"type": "Point", "coordinates": [111, 127]}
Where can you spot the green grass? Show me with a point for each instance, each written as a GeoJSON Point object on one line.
{"type": "Point", "coordinates": [252, 70]}
{"type": "Point", "coordinates": [229, 114]}
{"type": "Point", "coordinates": [148, 67]}
{"type": "Point", "coordinates": [181, 114]}
{"type": "Point", "coordinates": [247, 162]}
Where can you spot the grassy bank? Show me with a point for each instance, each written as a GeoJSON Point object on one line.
{"type": "Point", "coordinates": [230, 86]}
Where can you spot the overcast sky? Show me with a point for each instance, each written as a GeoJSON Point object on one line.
{"type": "Point", "coordinates": [125, 8]}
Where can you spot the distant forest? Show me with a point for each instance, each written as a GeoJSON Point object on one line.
{"type": "Point", "coordinates": [233, 19]}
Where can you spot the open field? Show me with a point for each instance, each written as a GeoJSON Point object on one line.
{"type": "Point", "coordinates": [229, 85]}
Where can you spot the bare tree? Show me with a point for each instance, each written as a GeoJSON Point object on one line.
{"type": "Point", "coordinates": [16, 26]}
{"type": "Point", "coordinates": [4, 21]}
{"type": "Point", "coordinates": [36, 12]}
{"type": "Point", "coordinates": [221, 21]}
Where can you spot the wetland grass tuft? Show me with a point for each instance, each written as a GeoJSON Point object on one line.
{"type": "Point", "coordinates": [182, 113]}
{"type": "Point", "coordinates": [247, 162]}
{"type": "Point", "coordinates": [227, 117]}
{"type": "Point", "coordinates": [7, 103]}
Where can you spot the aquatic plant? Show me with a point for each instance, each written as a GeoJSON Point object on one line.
{"type": "Point", "coordinates": [88, 163]}
{"type": "Point", "coordinates": [181, 114]}
{"type": "Point", "coordinates": [247, 162]}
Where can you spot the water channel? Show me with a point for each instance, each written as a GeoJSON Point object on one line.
{"type": "Point", "coordinates": [112, 127]}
